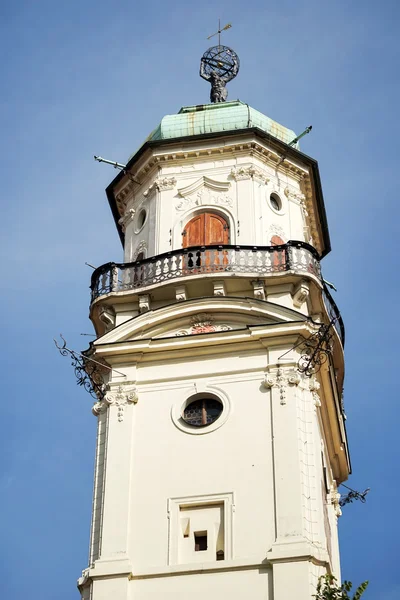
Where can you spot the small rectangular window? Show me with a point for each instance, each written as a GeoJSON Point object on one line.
{"type": "Point", "coordinates": [200, 541]}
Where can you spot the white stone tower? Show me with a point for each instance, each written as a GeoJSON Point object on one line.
{"type": "Point", "coordinates": [218, 458]}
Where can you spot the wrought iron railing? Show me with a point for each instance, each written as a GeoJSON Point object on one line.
{"type": "Point", "coordinates": [334, 314]}
{"type": "Point", "coordinates": [258, 261]}
{"type": "Point", "coordinates": [298, 257]}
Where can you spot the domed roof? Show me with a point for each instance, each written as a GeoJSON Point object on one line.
{"type": "Point", "coordinates": [211, 118]}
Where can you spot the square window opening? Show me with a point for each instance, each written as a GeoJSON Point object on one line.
{"type": "Point", "coordinates": [200, 541]}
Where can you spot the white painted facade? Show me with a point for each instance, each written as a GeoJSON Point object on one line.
{"type": "Point", "coordinates": [260, 482]}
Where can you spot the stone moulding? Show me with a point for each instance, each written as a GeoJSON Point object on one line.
{"type": "Point", "coordinates": [243, 173]}
{"type": "Point", "coordinates": [281, 378]}
{"type": "Point", "coordinates": [204, 191]}
{"type": "Point", "coordinates": [119, 396]}
{"type": "Point", "coordinates": [161, 184]}
{"type": "Point", "coordinates": [126, 218]}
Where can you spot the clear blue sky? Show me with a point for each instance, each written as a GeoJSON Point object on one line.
{"type": "Point", "coordinates": [95, 77]}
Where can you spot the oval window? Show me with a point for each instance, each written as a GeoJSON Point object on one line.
{"type": "Point", "coordinates": [275, 202]}
{"type": "Point", "coordinates": [202, 412]}
{"type": "Point", "coordinates": [141, 220]}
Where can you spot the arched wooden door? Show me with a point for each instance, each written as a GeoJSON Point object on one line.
{"type": "Point", "coordinates": [278, 257]}
{"type": "Point", "coordinates": [206, 229]}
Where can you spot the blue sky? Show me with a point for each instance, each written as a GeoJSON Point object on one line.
{"type": "Point", "coordinates": [84, 78]}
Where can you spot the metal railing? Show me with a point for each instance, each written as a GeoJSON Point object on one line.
{"type": "Point", "coordinates": [298, 257]}
{"type": "Point", "coordinates": [257, 261]}
{"type": "Point", "coordinates": [334, 314]}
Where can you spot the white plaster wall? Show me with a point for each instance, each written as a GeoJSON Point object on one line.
{"type": "Point", "coordinates": [235, 585]}
{"type": "Point", "coordinates": [265, 457]}
{"type": "Point", "coordinates": [246, 205]}
{"type": "Point", "coordinates": [171, 463]}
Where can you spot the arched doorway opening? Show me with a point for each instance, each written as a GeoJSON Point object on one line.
{"type": "Point", "coordinates": [206, 229]}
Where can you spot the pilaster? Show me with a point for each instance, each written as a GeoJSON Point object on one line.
{"type": "Point", "coordinates": [119, 404]}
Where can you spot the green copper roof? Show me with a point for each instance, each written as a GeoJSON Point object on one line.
{"type": "Point", "coordinates": [210, 118]}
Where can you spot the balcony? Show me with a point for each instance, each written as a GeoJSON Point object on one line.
{"type": "Point", "coordinates": [293, 258]}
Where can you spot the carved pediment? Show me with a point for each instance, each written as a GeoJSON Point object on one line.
{"type": "Point", "coordinates": [204, 191]}
{"type": "Point", "coordinates": [215, 315]}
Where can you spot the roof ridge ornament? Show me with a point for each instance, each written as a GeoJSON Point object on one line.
{"type": "Point", "coordinates": [218, 65]}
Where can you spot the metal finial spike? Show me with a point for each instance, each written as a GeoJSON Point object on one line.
{"type": "Point", "coordinates": [227, 26]}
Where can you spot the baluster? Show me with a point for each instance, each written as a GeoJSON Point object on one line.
{"type": "Point", "coordinates": [180, 262]}
{"type": "Point", "coordinates": [217, 262]}
{"type": "Point", "coordinates": [242, 260]}
{"type": "Point", "coordinates": [173, 267]}
{"type": "Point", "coordinates": [259, 261]}
{"type": "Point", "coordinates": [131, 274]}
{"type": "Point", "coordinates": [144, 274]}
{"type": "Point", "coordinates": [294, 258]}
{"type": "Point", "coordinates": [103, 282]}
{"type": "Point", "coordinates": [200, 258]}
{"type": "Point", "coordinates": [114, 279]}
{"type": "Point", "coordinates": [150, 272]}
{"type": "Point", "coordinates": [231, 259]}
{"type": "Point", "coordinates": [125, 279]}
{"type": "Point", "coordinates": [303, 258]}
{"type": "Point", "coordinates": [165, 266]}
{"type": "Point", "coordinates": [158, 268]}
{"type": "Point", "coordinates": [250, 261]}
{"type": "Point", "coordinates": [268, 261]}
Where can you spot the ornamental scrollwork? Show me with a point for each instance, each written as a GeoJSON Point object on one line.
{"type": "Point", "coordinates": [126, 218]}
{"type": "Point", "coordinates": [120, 397]}
{"type": "Point", "coordinates": [280, 379]}
{"type": "Point", "coordinates": [89, 373]}
{"type": "Point", "coordinates": [294, 195]}
{"type": "Point", "coordinates": [140, 248]}
{"type": "Point", "coordinates": [203, 323]}
{"type": "Point", "coordinates": [204, 196]}
{"type": "Point", "coordinates": [162, 184]}
{"type": "Point", "coordinates": [242, 173]}
{"type": "Point", "coordinates": [316, 350]}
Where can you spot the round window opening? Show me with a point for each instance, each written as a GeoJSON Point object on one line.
{"type": "Point", "coordinates": [141, 220]}
{"type": "Point", "coordinates": [275, 202]}
{"type": "Point", "coordinates": [202, 412]}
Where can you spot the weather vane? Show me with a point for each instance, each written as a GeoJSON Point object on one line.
{"type": "Point", "coordinates": [219, 64]}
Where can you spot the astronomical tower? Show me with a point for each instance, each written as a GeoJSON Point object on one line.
{"type": "Point", "coordinates": [219, 366]}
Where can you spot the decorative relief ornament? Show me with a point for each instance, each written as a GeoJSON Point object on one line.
{"type": "Point", "coordinates": [107, 316]}
{"type": "Point", "coordinates": [276, 230]}
{"type": "Point", "coordinates": [127, 218]}
{"type": "Point", "coordinates": [121, 397]}
{"type": "Point", "coordinates": [204, 191]}
{"type": "Point", "coordinates": [334, 497]}
{"type": "Point", "coordinates": [162, 184]}
{"type": "Point", "coordinates": [203, 323]}
{"type": "Point", "coordinates": [314, 386]}
{"type": "Point", "coordinates": [280, 379]}
{"type": "Point", "coordinates": [294, 194]}
{"type": "Point", "coordinates": [141, 247]}
{"type": "Point", "coordinates": [241, 173]}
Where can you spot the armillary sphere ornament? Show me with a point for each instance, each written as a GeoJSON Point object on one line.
{"type": "Point", "coordinates": [219, 64]}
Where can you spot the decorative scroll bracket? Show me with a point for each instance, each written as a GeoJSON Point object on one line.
{"type": "Point", "coordinates": [89, 373]}
{"type": "Point", "coordinates": [121, 396]}
{"type": "Point", "coordinates": [280, 379]}
{"type": "Point", "coordinates": [316, 350]}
